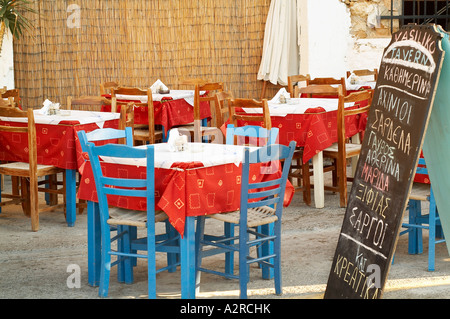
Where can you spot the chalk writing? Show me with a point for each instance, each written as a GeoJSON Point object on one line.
{"type": "Point", "coordinates": [393, 132]}
{"type": "Point", "coordinates": [375, 200]}
{"type": "Point", "coordinates": [393, 104]}
{"type": "Point", "coordinates": [355, 278]}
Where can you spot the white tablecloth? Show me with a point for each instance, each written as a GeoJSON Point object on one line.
{"type": "Point", "coordinates": [82, 117]}
{"type": "Point", "coordinates": [208, 154]}
{"type": "Point", "coordinates": [300, 105]}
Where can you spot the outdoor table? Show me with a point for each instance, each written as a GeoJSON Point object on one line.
{"type": "Point", "coordinates": [171, 109]}
{"type": "Point", "coordinates": [57, 145]}
{"type": "Point", "coordinates": [205, 179]}
{"type": "Point", "coordinates": [312, 123]}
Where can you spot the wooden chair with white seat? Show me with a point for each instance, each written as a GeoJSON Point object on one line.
{"type": "Point", "coordinates": [12, 96]}
{"type": "Point", "coordinates": [219, 117]}
{"type": "Point", "coordinates": [294, 80]}
{"type": "Point", "coordinates": [300, 173]}
{"type": "Point", "coordinates": [221, 114]}
{"type": "Point", "coordinates": [196, 129]}
{"type": "Point", "coordinates": [142, 134]}
{"type": "Point", "coordinates": [106, 87]}
{"type": "Point", "coordinates": [28, 172]}
{"type": "Point", "coordinates": [342, 150]}
{"type": "Point", "coordinates": [244, 112]}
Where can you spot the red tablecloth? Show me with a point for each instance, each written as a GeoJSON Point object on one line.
{"type": "Point", "coordinates": [168, 112]}
{"type": "Point", "coordinates": [315, 130]}
{"type": "Point", "coordinates": [56, 143]}
{"type": "Point", "coordinates": [187, 191]}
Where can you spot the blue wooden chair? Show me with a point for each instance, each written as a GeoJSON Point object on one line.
{"type": "Point", "coordinates": [252, 135]}
{"type": "Point", "coordinates": [417, 221]}
{"type": "Point", "coordinates": [261, 204]}
{"type": "Point", "coordinates": [125, 221]}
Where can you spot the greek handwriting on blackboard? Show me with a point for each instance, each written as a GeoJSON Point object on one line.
{"type": "Point", "coordinates": [394, 134]}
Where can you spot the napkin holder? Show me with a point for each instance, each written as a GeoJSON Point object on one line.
{"type": "Point", "coordinates": [50, 108]}
{"type": "Point", "coordinates": [177, 142]}
{"type": "Point", "coordinates": [54, 109]}
{"type": "Point", "coordinates": [354, 79]}
{"type": "Point", "coordinates": [282, 96]}
{"type": "Point", "coordinates": [159, 87]}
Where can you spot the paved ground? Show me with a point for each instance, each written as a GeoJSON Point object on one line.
{"type": "Point", "coordinates": [40, 264]}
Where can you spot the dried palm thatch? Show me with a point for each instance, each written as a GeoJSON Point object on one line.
{"type": "Point", "coordinates": [12, 18]}
{"type": "Point", "coordinates": [136, 42]}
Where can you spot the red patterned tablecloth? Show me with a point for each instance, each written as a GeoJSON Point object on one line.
{"type": "Point", "coordinates": [168, 112]}
{"type": "Point", "coordinates": [189, 190]}
{"type": "Point", "coordinates": [315, 130]}
{"type": "Point", "coordinates": [56, 143]}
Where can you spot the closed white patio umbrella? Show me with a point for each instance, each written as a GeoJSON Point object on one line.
{"type": "Point", "coordinates": [280, 57]}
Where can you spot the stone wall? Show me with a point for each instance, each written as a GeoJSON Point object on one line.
{"type": "Point", "coordinates": [364, 17]}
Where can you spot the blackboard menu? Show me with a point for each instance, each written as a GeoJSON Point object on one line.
{"type": "Point", "coordinates": [394, 134]}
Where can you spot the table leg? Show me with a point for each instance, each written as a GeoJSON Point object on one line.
{"type": "Point", "coordinates": [94, 243]}
{"type": "Point", "coordinates": [71, 202]}
{"type": "Point", "coordinates": [187, 248]}
{"type": "Point", "coordinates": [319, 192]}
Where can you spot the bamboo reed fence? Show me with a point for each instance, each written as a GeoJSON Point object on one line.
{"type": "Point", "coordinates": [136, 42]}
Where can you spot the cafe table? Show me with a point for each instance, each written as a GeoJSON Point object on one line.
{"type": "Point", "coordinates": [312, 123]}
{"type": "Point", "coordinates": [172, 109]}
{"type": "Point", "coordinates": [203, 179]}
{"type": "Point", "coordinates": [57, 145]}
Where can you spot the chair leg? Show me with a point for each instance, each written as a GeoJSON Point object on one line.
{"type": "Point", "coordinates": [151, 259]}
{"type": "Point", "coordinates": [34, 203]}
{"type": "Point", "coordinates": [432, 236]}
{"type": "Point", "coordinates": [342, 180]}
{"type": "Point", "coordinates": [277, 259]}
{"type": "Point", "coordinates": [105, 266]}
{"type": "Point", "coordinates": [415, 245]}
{"type": "Point", "coordinates": [25, 194]}
{"type": "Point", "coordinates": [243, 266]}
{"type": "Point", "coordinates": [125, 267]}
{"type": "Point", "coordinates": [306, 183]}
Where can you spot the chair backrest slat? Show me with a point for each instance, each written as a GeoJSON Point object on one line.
{"type": "Point", "coordinates": [104, 135]}
{"type": "Point", "coordinates": [319, 90]}
{"type": "Point", "coordinates": [328, 81]}
{"type": "Point", "coordinates": [293, 81]}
